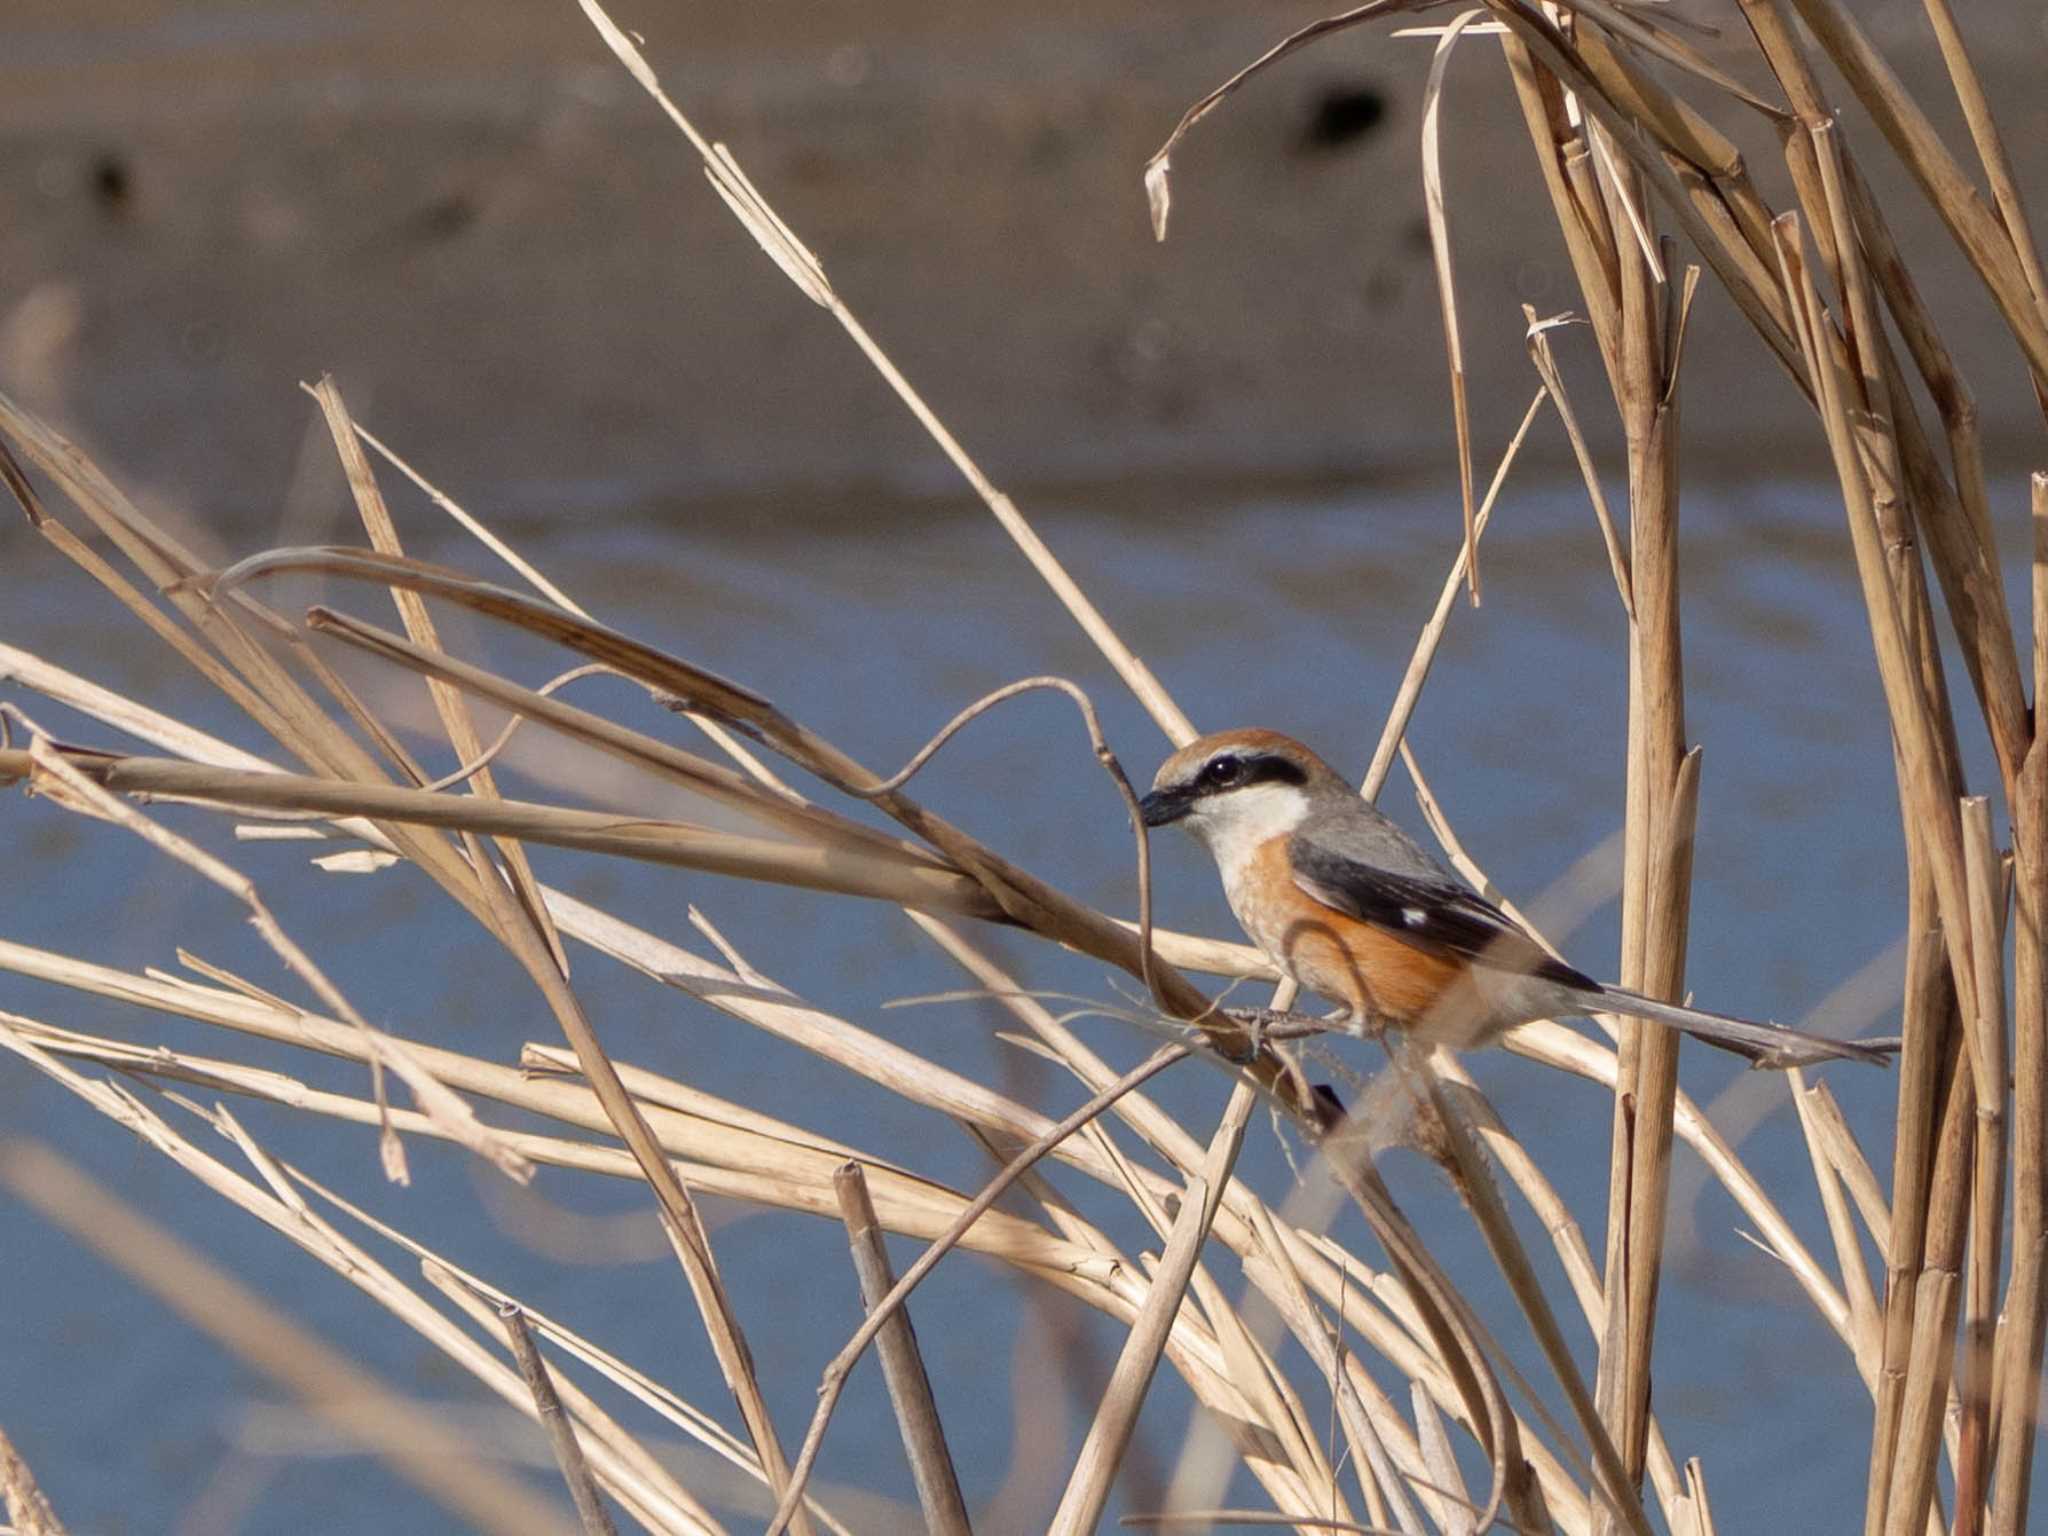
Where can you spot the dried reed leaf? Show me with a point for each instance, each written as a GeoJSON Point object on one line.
{"type": "Point", "coordinates": [916, 882]}
{"type": "Point", "coordinates": [1156, 168]}
{"type": "Point", "coordinates": [433, 1097]}
{"type": "Point", "coordinates": [28, 1511]}
{"type": "Point", "coordinates": [1021, 896]}
{"type": "Point", "coordinates": [1673, 51]}
{"type": "Point", "coordinates": [1446, 283]}
{"type": "Point", "coordinates": [1538, 337]}
{"type": "Point", "coordinates": [803, 269]}
{"type": "Point", "coordinates": [1402, 710]}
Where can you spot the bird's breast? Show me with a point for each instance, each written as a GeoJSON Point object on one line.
{"type": "Point", "coordinates": [1367, 969]}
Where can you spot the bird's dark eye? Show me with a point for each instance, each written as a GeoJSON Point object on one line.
{"type": "Point", "coordinates": [1222, 772]}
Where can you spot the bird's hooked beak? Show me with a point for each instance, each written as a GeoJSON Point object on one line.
{"type": "Point", "coordinates": [1163, 807]}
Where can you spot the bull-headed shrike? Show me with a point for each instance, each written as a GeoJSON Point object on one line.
{"type": "Point", "coordinates": [1349, 906]}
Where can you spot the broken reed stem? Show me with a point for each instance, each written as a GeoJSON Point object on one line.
{"type": "Point", "coordinates": [910, 1389]}
{"type": "Point", "coordinates": [834, 1382]}
{"type": "Point", "coordinates": [561, 1433]}
{"type": "Point", "coordinates": [1657, 855]}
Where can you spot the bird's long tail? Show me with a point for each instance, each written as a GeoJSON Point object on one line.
{"type": "Point", "coordinates": [1766, 1045]}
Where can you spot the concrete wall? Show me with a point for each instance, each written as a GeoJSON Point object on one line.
{"type": "Point", "coordinates": [516, 269]}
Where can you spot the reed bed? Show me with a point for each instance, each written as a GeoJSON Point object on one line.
{"type": "Point", "coordinates": [1357, 1384]}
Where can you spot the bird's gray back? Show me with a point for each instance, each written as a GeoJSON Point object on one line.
{"type": "Point", "coordinates": [1364, 834]}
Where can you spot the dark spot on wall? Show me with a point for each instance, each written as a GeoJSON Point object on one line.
{"type": "Point", "coordinates": [1342, 115]}
{"type": "Point", "coordinates": [112, 183]}
{"type": "Point", "coordinates": [442, 219]}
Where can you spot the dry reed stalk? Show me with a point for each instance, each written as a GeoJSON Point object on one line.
{"type": "Point", "coordinates": [265, 687]}
{"type": "Point", "coordinates": [1702, 1521]}
{"type": "Point", "coordinates": [640, 1484]}
{"type": "Point", "coordinates": [1987, 1055]}
{"type": "Point", "coordinates": [635, 748]}
{"type": "Point", "coordinates": [803, 268]}
{"type": "Point", "coordinates": [522, 925]}
{"type": "Point", "coordinates": [461, 730]}
{"type": "Point", "coordinates": [1442, 1465]}
{"type": "Point", "coordinates": [1976, 229]}
{"type": "Point", "coordinates": [1662, 785]}
{"type": "Point", "coordinates": [1581, 214]}
{"type": "Point", "coordinates": [561, 1433]}
{"type": "Point", "coordinates": [278, 1204]}
{"type": "Point", "coordinates": [722, 1152]}
{"type": "Point", "coordinates": [1544, 1200]}
{"type": "Point", "coordinates": [508, 918]}
{"type": "Point", "coordinates": [1409, 689]}
{"type": "Point", "coordinates": [1242, 1215]}
{"type": "Point", "coordinates": [548, 589]}
{"type": "Point", "coordinates": [1616, 1495]}
{"type": "Point", "coordinates": [856, 843]}
{"type": "Point", "coordinates": [881, 1313]}
{"type": "Point", "coordinates": [1906, 1503]}
{"type": "Point", "coordinates": [2017, 1368]}
{"type": "Point", "coordinates": [1238, 1205]}
{"type": "Point", "coordinates": [919, 883]}
{"type": "Point", "coordinates": [1023, 898]}
{"type": "Point", "coordinates": [412, 1440]}
{"type": "Point", "coordinates": [1251, 1368]}
{"type": "Point", "coordinates": [2012, 211]}
{"type": "Point", "coordinates": [1900, 1500]}
{"type": "Point", "coordinates": [1102, 1452]}
{"type": "Point", "coordinates": [1442, 1315]}
{"type": "Point", "coordinates": [1555, 1046]}
{"type": "Point", "coordinates": [1446, 286]}
{"type": "Point", "coordinates": [1608, 134]}
{"type": "Point", "coordinates": [910, 1389]}
{"type": "Point", "coordinates": [1545, 359]}
{"type": "Point", "coordinates": [55, 778]}
{"type": "Point", "coordinates": [481, 1301]}
{"type": "Point", "coordinates": [601, 1121]}
{"type": "Point", "coordinates": [1820, 1123]}
{"type": "Point", "coordinates": [1074, 1270]}
{"type": "Point", "coordinates": [28, 1510]}
{"type": "Point", "coordinates": [1374, 1463]}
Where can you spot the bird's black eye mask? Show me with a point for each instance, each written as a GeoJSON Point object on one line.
{"type": "Point", "coordinates": [1222, 773]}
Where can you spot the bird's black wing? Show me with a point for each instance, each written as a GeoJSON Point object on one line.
{"type": "Point", "coordinates": [1433, 914]}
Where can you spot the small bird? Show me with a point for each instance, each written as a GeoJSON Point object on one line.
{"type": "Point", "coordinates": [1348, 905]}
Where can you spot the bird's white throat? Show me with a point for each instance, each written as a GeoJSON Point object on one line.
{"type": "Point", "coordinates": [1235, 826]}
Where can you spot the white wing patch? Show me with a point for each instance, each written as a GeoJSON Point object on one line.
{"type": "Point", "coordinates": [1415, 917]}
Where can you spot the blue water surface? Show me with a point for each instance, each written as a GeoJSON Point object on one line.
{"type": "Point", "coordinates": [1295, 611]}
